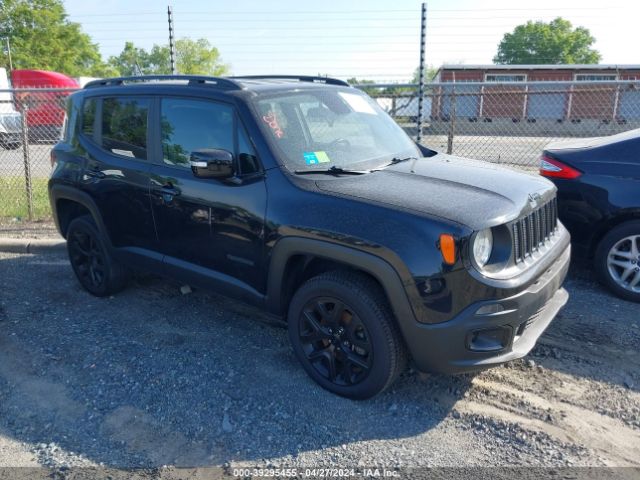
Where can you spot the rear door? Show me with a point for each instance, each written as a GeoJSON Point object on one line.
{"type": "Point", "coordinates": [114, 140]}
{"type": "Point", "coordinates": [212, 228]}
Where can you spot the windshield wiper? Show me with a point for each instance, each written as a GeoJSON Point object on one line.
{"type": "Point", "coordinates": [396, 160]}
{"type": "Point", "coordinates": [333, 170]}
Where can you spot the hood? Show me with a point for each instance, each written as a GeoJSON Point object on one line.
{"type": "Point", "coordinates": [468, 192]}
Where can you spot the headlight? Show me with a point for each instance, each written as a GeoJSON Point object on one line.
{"type": "Point", "coordinates": [482, 246]}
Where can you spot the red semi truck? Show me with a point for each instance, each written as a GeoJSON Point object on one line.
{"type": "Point", "coordinates": [45, 114]}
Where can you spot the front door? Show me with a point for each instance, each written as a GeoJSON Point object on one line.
{"type": "Point", "coordinates": [212, 228]}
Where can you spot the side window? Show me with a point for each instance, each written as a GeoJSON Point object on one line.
{"type": "Point", "coordinates": [124, 126]}
{"type": "Point", "coordinates": [247, 157]}
{"type": "Point", "coordinates": [187, 125]}
{"type": "Point", "coordinates": [88, 116]}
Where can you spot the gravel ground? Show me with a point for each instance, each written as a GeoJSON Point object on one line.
{"type": "Point", "coordinates": [153, 377]}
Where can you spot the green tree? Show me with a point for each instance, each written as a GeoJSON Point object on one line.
{"type": "Point", "coordinates": [41, 37]}
{"type": "Point", "coordinates": [555, 42]}
{"type": "Point", "coordinates": [199, 57]}
{"type": "Point", "coordinates": [429, 74]}
{"type": "Point", "coordinates": [195, 57]}
{"type": "Point", "coordinates": [360, 82]}
{"type": "Point", "coordinates": [131, 61]}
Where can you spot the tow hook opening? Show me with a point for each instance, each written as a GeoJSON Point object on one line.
{"type": "Point", "coordinates": [489, 339]}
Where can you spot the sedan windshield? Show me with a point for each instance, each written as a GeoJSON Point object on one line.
{"type": "Point", "coordinates": [328, 127]}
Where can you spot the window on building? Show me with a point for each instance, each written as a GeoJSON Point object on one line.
{"type": "Point", "coordinates": [596, 77]}
{"type": "Point", "coordinates": [505, 78]}
{"type": "Point", "coordinates": [124, 126]}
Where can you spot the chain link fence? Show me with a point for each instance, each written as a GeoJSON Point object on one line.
{"type": "Point", "coordinates": [510, 123]}
{"type": "Point", "coordinates": [502, 123]}
{"type": "Point", "coordinates": [31, 121]}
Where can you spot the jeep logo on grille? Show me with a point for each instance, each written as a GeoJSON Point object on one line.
{"type": "Point", "coordinates": [534, 199]}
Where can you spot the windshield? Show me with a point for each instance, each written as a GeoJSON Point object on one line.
{"type": "Point", "coordinates": [331, 127]}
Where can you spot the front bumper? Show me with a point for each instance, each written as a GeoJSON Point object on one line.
{"type": "Point", "coordinates": [490, 333]}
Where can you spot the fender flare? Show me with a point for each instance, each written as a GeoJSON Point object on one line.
{"type": "Point", "coordinates": [57, 192]}
{"type": "Point", "coordinates": [375, 266]}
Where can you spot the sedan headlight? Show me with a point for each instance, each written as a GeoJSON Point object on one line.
{"type": "Point", "coordinates": [482, 247]}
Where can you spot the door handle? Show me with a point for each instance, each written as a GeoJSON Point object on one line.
{"type": "Point", "coordinates": [95, 174]}
{"type": "Point", "coordinates": [169, 190]}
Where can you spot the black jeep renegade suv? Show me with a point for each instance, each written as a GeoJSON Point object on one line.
{"type": "Point", "coordinates": [301, 196]}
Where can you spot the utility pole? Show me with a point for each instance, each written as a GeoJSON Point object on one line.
{"type": "Point", "coordinates": [423, 39]}
{"type": "Point", "coordinates": [172, 46]}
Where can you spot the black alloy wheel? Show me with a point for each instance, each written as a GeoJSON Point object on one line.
{"type": "Point", "coordinates": [87, 258]}
{"type": "Point", "coordinates": [344, 334]}
{"type": "Point", "coordinates": [335, 341]}
{"type": "Point", "coordinates": [97, 272]}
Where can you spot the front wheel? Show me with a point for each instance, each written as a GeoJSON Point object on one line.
{"type": "Point", "coordinates": [97, 272]}
{"type": "Point", "coordinates": [617, 260]}
{"type": "Point", "coordinates": [344, 334]}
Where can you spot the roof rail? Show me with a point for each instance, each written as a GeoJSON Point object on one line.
{"type": "Point", "coordinates": [300, 78]}
{"type": "Point", "coordinates": [223, 83]}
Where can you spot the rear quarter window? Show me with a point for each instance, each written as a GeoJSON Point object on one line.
{"type": "Point", "coordinates": [88, 116]}
{"type": "Point", "coordinates": [124, 126]}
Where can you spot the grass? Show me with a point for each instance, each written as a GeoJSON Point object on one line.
{"type": "Point", "coordinates": [13, 198]}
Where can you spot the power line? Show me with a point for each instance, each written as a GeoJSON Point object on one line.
{"type": "Point", "coordinates": [238, 12]}
{"type": "Point", "coordinates": [552, 9]}
{"type": "Point", "coordinates": [409, 20]}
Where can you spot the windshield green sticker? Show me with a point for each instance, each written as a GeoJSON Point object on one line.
{"type": "Point", "coordinates": [313, 158]}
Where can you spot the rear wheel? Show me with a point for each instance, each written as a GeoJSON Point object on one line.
{"type": "Point", "coordinates": [617, 260]}
{"type": "Point", "coordinates": [97, 272]}
{"type": "Point", "coordinates": [344, 334]}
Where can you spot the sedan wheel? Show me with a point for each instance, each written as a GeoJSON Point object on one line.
{"type": "Point", "coordinates": [623, 263]}
{"type": "Point", "coordinates": [617, 260]}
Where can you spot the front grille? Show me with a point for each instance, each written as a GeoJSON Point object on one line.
{"type": "Point", "coordinates": [534, 230]}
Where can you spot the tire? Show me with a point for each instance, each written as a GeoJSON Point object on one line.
{"type": "Point", "coordinates": [10, 145]}
{"type": "Point", "coordinates": [345, 336]}
{"type": "Point", "coordinates": [95, 269]}
{"type": "Point", "coordinates": [617, 260]}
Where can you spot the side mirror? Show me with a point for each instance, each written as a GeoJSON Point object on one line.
{"type": "Point", "coordinates": [211, 163]}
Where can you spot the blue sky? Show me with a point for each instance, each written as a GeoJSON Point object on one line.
{"type": "Point", "coordinates": [374, 39]}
